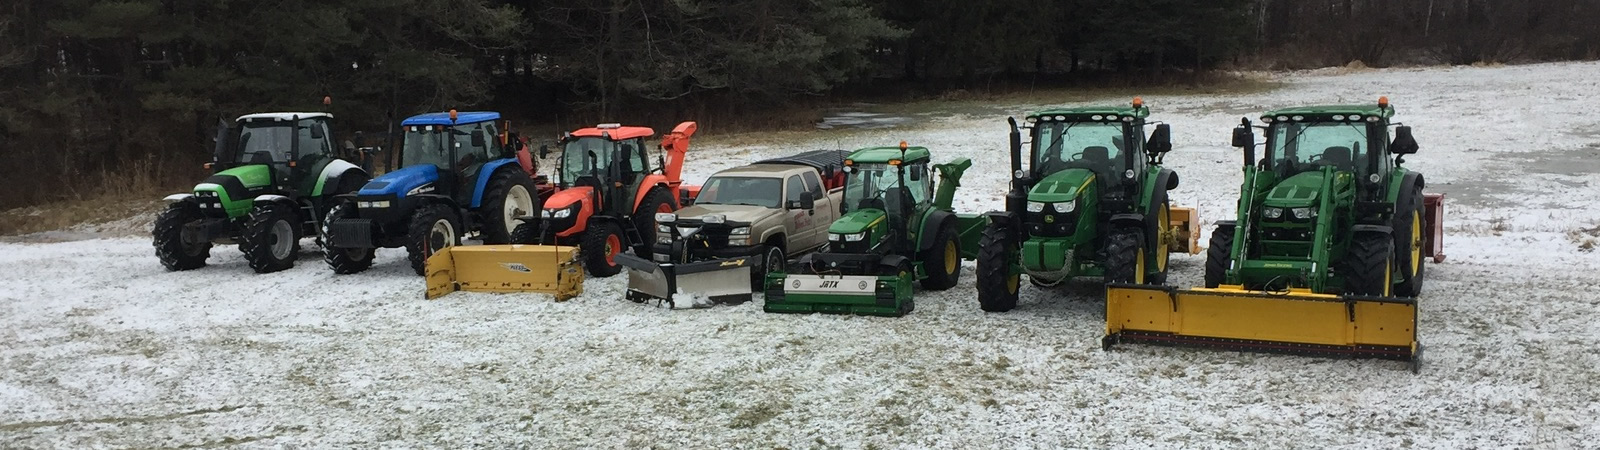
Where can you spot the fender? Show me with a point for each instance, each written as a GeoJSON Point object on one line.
{"type": "Point", "coordinates": [1397, 190]}
{"type": "Point", "coordinates": [1004, 218]}
{"type": "Point", "coordinates": [931, 224]}
{"type": "Point", "coordinates": [1129, 220]}
{"type": "Point", "coordinates": [1370, 228]}
{"type": "Point", "coordinates": [484, 174]}
{"type": "Point", "coordinates": [273, 198]}
{"type": "Point", "coordinates": [895, 260]}
{"type": "Point", "coordinates": [1155, 196]}
{"type": "Point", "coordinates": [331, 173]}
{"type": "Point", "coordinates": [651, 182]}
{"type": "Point", "coordinates": [177, 197]}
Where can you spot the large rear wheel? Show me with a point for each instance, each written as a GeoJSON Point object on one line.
{"type": "Point", "coordinates": [601, 244]}
{"type": "Point", "coordinates": [511, 194]}
{"type": "Point", "coordinates": [942, 261]}
{"type": "Point", "coordinates": [344, 260]}
{"type": "Point", "coordinates": [1219, 255]}
{"type": "Point", "coordinates": [997, 284]}
{"type": "Point", "coordinates": [170, 249]}
{"type": "Point", "coordinates": [271, 237]}
{"type": "Point", "coordinates": [1125, 256]}
{"type": "Point", "coordinates": [1369, 265]}
{"type": "Point", "coordinates": [433, 227]}
{"type": "Point", "coordinates": [1410, 228]}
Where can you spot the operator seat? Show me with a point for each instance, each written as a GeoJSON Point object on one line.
{"type": "Point", "coordinates": [1339, 157]}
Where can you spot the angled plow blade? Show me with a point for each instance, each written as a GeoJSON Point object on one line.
{"type": "Point", "coordinates": [681, 285]}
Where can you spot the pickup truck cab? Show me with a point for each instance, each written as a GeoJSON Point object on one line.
{"type": "Point", "coordinates": [771, 210]}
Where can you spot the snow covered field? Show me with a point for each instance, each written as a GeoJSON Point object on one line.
{"type": "Point", "coordinates": [101, 347]}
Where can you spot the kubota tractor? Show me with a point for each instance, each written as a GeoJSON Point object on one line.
{"type": "Point", "coordinates": [610, 193]}
{"type": "Point", "coordinates": [276, 176]}
{"type": "Point", "coordinates": [1326, 255]}
{"type": "Point", "coordinates": [462, 174]}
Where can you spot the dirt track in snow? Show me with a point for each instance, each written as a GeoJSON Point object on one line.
{"type": "Point", "coordinates": [100, 347]}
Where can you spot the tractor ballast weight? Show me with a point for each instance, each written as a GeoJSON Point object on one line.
{"type": "Point", "coordinates": [896, 230]}
{"type": "Point", "coordinates": [542, 269]}
{"type": "Point", "coordinates": [1326, 255]}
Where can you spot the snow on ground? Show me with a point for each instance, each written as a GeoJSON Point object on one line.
{"type": "Point", "coordinates": [102, 348]}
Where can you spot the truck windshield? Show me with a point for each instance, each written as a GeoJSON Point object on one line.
{"type": "Point", "coordinates": [763, 192]}
{"type": "Point", "coordinates": [583, 154]}
{"type": "Point", "coordinates": [1096, 146]}
{"type": "Point", "coordinates": [865, 186]}
{"type": "Point", "coordinates": [1301, 146]}
{"type": "Point", "coordinates": [264, 143]}
{"type": "Point", "coordinates": [427, 144]}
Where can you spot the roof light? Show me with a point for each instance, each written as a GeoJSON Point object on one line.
{"type": "Point", "coordinates": [1032, 119]}
{"type": "Point", "coordinates": [327, 100]}
{"type": "Point", "coordinates": [1111, 117]}
{"type": "Point", "coordinates": [1096, 117]}
{"type": "Point", "coordinates": [1138, 102]}
{"type": "Point", "coordinates": [608, 126]}
{"type": "Point", "coordinates": [1338, 117]}
{"type": "Point", "coordinates": [902, 145]}
{"type": "Point", "coordinates": [452, 115]}
{"type": "Point", "coordinates": [1127, 118]}
{"type": "Point", "coordinates": [849, 162]}
{"type": "Point", "coordinates": [1283, 118]}
{"type": "Point", "coordinates": [1266, 119]}
{"type": "Point", "coordinates": [894, 162]}
{"type": "Point", "coordinates": [1353, 117]}
{"type": "Point", "coordinates": [1383, 101]}
{"type": "Point", "coordinates": [1372, 118]}
{"type": "Point", "coordinates": [1061, 118]}
{"type": "Point", "coordinates": [1299, 118]}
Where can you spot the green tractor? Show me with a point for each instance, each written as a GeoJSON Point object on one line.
{"type": "Point", "coordinates": [1091, 202]}
{"type": "Point", "coordinates": [276, 175]}
{"type": "Point", "coordinates": [896, 227]}
{"type": "Point", "coordinates": [1327, 252]}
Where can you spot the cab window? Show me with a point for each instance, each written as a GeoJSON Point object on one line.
{"type": "Point", "coordinates": [792, 189]}
{"type": "Point", "coordinates": [921, 189]}
{"type": "Point", "coordinates": [813, 184]}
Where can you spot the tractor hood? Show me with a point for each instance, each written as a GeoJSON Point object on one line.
{"type": "Point", "coordinates": [249, 177]}
{"type": "Point", "coordinates": [857, 221]}
{"type": "Point", "coordinates": [1299, 190]}
{"type": "Point", "coordinates": [400, 182]}
{"type": "Point", "coordinates": [734, 213]}
{"type": "Point", "coordinates": [1061, 186]}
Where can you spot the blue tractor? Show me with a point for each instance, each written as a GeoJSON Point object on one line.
{"type": "Point", "coordinates": [462, 174]}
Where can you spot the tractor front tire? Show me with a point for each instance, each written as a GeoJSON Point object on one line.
{"type": "Point", "coordinates": [510, 194]}
{"type": "Point", "coordinates": [772, 259]}
{"type": "Point", "coordinates": [1368, 265]}
{"type": "Point", "coordinates": [344, 261]}
{"type": "Point", "coordinates": [525, 233]}
{"type": "Point", "coordinates": [1125, 256]}
{"type": "Point", "coordinates": [601, 244]}
{"type": "Point", "coordinates": [271, 237]}
{"type": "Point", "coordinates": [997, 286]}
{"type": "Point", "coordinates": [1218, 255]}
{"type": "Point", "coordinates": [942, 261]}
{"type": "Point", "coordinates": [644, 217]}
{"type": "Point", "coordinates": [1410, 235]}
{"type": "Point", "coordinates": [174, 254]}
{"type": "Point", "coordinates": [1160, 255]}
{"type": "Point", "coordinates": [433, 227]}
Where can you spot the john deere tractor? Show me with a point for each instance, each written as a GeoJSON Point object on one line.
{"type": "Point", "coordinates": [1092, 201]}
{"type": "Point", "coordinates": [1325, 255]}
{"type": "Point", "coordinates": [276, 175]}
{"type": "Point", "coordinates": [463, 174]}
{"type": "Point", "coordinates": [897, 227]}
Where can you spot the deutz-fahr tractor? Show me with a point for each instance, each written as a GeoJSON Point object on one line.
{"type": "Point", "coordinates": [275, 177]}
{"type": "Point", "coordinates": [1092, 201]}
{"type": "Point", "coordinates": [1326, 254]}
{"type": "Point", "coordinates": [896, 227]}
{"type": "Point", "coordinates": [610, 195]}
{"type": "Point", "coordinates": [461, 174]}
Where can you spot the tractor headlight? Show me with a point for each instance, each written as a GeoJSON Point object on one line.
{"type": "Point", "coordinates": [1304, 213]}
{"type": "Point", "coordinates": [1065, 207]}
{"type": "Point", "coordinates": [714, 218]}
{"type": "Point", "coordinates": [1035, 206]}
{"type": "Point", "coordinates": [834, 237]}
{"type": "Point", "coordinates": [854, 237]}
{"type": "Point", "coordinates": [557, 213]}
{"type": "Point", "coordinates": [1272, 213]}
{"type": "Point", "coordinates": [666, 218]}
{"type": "Point", "coordinates": [376, 204]}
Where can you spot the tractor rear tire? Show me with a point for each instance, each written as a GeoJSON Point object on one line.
{"type": "Point", "coordinates": [344, 261]}
{"type": "Point", "coordinates": [1218, 255]}
{"type": "Point", "coordinates": [601, 243]}
{"type": "Point", "coordinates": [271, 237]}
{"type": "Point", "coordinates": [510, 194]}
{"type": "Point", "coordinates": [1411, 229]}
{"type": "Point", "coordinates": [1125, 256]}
{"type": "Point", "coordinates": [1368, 265]}
{"type": "Point", "coordinates": [644, 218]}
{"type": "Point", "coordinates": [174, 254]}
{"type": "Point", "coordinates": [997, 286]}
{"type": "Point", "coordinates": [942, 261]}
{"type": "Point", "coordinates": [433, 227]}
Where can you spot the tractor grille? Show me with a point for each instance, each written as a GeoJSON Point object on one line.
{"type": "Point", "coordinates": [1051, 224]}
{"type": "Point", "coordinates": [209, 203]}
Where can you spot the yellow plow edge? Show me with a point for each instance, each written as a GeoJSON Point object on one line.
{"type": "Point", "coordinates": [544, 269]}
{"type": "Point", "coordinates": [1297, 321]}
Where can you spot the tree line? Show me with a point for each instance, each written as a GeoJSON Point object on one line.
{"type": "Point", "coordinates": [115, 95]}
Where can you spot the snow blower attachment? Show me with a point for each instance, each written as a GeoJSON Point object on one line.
{"type": "Point", "coordinates": [544, 269]}
{"type": "Point", "coordinates": [1327, 254]}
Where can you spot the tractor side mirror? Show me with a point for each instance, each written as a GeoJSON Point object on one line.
{"type": "Point", "coordinates": [916, 175]}
{"type": "Point", "coordinates": [1243, 136]}
{"type": "Point", "coordinates": [478, 141]}
{"type": "Point", "coordinates": [807, 201]}
{"type": "Point", "coordinates": [316, 132]}
{"type": "Point", "coordinates": [544, 151]}
{"type": "Point", "coordinates": [1403, 143]}
{"type": "Point", "coordinates": [1160, 139]}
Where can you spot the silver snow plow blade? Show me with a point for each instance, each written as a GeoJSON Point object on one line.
{"type": "Point", "coordinates": [688, 285]}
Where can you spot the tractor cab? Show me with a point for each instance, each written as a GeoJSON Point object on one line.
{"type": "Point", "coordinates": [607, 157]}
{"type": "Point", "coordinates": [282, 146]}
{"type": "Point", "coordinates": [456, 146]}
{"type": "Point", "coordinates": [883, 186]}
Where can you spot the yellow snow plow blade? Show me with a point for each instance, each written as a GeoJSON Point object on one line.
{"type": "Point", "coordinates": [1184, 224]}
{"type": "Point", "coordinates": [544, 269]}
{"type": "Point", "coordinates": [1297, 321]}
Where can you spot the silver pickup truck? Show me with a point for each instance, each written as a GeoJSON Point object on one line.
{"type": "Point", "coordinates": [755, 216]}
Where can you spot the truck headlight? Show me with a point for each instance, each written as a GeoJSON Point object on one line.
{"type": "Point", "coordinates": [714, 218]}
{"type": "Point", "coordinates": [739, 241]}
{"type": "Point", "coordinates": [666, 218]}
{"type": "Point", "coordinates": [1065, 207]}
{"type": "Point", "coordinates": [1035, 206]}
{"type": "Point", "coordinates": [1304, 213]}
{"type": "Point", "coordinates": [740, 231]}
{"type": "Point", "coordinates": [663, 229]}
{"type": "Point", "coordinates": [1272, 213]}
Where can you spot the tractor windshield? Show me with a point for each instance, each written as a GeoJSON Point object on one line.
{"type": "Point", "coordinates": [264, 143]}
{"type": "Point", "coordinates": [763, 192]}
{"type": "Point", "coordinates": [1296, 147]}
{"type": "Point", "coordinates": [1096, 146]}
{"type": "Point", "coordinates": [426, 144]}
{"type": "Point", "coordinates": [585, 155]}
{"type": "Point", "coordinates": [872, 186]}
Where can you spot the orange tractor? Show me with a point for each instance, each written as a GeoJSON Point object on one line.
{"type": "Point", "coordinates": [610, 191]}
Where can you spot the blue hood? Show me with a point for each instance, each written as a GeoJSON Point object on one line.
{"type": "Point", "coordinates": [399, 182]}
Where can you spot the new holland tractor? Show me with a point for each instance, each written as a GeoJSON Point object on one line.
{"type": "Point", "coordinates": [896, 227]}
{"type": "Point", "coordinates": [610, 194]}
{"type": "Point", "coordinates": [1092, 201]}
{"type": "Point", "coordinates": [1326, 255]}
{"type": "Point", "coordinates": [462, 174]}
{"type": "Point", "coordinates": [276, 175]}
